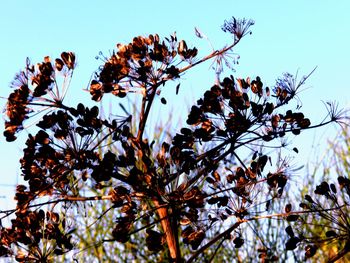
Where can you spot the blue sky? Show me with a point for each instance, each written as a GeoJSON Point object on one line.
{"type": "Point", "coordinates": [288, 36]}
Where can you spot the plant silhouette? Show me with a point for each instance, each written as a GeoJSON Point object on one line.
{"type": "Point", "coordinates": [196, 191]}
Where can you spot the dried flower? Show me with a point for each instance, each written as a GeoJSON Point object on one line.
{"type": "Point", "coordinates": [237, 27]}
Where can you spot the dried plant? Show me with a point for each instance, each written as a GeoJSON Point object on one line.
{"type": "Point", "coordinates": [189, 196]}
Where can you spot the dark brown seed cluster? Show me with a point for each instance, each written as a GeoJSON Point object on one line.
{"type": "Point", "coordinates": [33, 228]}
{"type": "Point", "coordinates": [35, 86]}
{"type": "Point", "coordinates": [334, 221]}
{"type": "Point", "coordinates": [140, 65]}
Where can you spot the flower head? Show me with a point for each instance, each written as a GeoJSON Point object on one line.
{"type": "Point", "coordinates": [238, 27]}
{"type": "Point", "coordinates": [36, 90]}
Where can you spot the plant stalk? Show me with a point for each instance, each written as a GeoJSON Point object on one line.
{"type": "Point", "coordinates": [170, 233]}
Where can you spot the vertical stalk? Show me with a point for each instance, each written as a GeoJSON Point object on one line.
{"type": "Point", "coordinates": [170, 232]}
{"type": "Point", "coordinates": [146, 109]}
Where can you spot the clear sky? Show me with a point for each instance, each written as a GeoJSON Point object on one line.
{"type": "Point", "coordinates": [288, 36]}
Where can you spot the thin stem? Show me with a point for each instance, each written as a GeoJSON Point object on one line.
{"type": "Point", "coordinates": [216, 250]}
{"type": "Point", "coordinates": [215, 239]}
{"type": "Point", "coordinates": [144, 115]}
{"type": "Point", "coordinates": [211, 55]}
{"type": "Point", "coordinates": [341, 253]}
{"type": "Point", "coordinates": [63, 199]}
{"type": "Point", "coordinates": [238, 223]}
